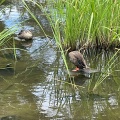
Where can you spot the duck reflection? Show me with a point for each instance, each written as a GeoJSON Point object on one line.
{"type": "Point", "coordinates": [26, 44]}
{"type": "Point", "coordinates": [23, 44]}
{"type": "Point", "coordinates": [12, 117]}
{"type": "Point", "coordinates": [78, 78]}
{"type": "Point", "coordinates": [7, 70]}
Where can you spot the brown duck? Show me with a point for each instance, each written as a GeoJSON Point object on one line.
{"type": "Point", "coordinates": [77, 59]}
{"type": "Point", "coordinates": [25, 34]}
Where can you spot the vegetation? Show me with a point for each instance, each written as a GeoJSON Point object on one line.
{"type": "Point", "coordinates": [79, 23]}
{"type": "Point", "coordinates": [82, 23]}
{"type": "Point", "coordinates": [74, 24]}
{"type": "Point", "coordinates": [107, 71]}
{"type": "Point", "coordinates": [88, 23]}
{"type": "Point", "coordinates": [6, 32]}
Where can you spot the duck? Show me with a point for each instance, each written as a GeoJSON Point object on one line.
{"type": "Point", "coordinates": [25, 34]}
{"type": "Point", "coordinates": [78, 60]}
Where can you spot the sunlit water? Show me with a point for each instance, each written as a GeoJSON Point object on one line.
{"type": "Point", "coordinates": [39, 88]}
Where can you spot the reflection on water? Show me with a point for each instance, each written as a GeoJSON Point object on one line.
{"type": "Point", "coordinates": [39, 87]}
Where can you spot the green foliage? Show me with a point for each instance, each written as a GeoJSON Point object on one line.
{"type": "Point", "coordinates": [84, 21]}
{"type": "Point", "coordinates": [2, 1]}
{"type": "Point", "coordinates": [107, 71]}
{"type": "Point", "coordinates": [6, 33]}
{"type": "Point", "coordinates": [55, 25]}
{"type": "Point", "coordinates": [33, 16]}
{"type": "Point", "coordinates": [88, 20]}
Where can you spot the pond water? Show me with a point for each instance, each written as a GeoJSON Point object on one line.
{"type": "Point", "coordinates": [37, 87]}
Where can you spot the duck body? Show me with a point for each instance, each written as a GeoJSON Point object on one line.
{"type": "Point", "coordinates": [25, 34]}
{"type": "Point", "coordinates": [78, 60]}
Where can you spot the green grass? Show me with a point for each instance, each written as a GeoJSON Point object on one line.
{"type": "Point", "coordinates": [106, 72]}
{"type": "Point", "coordinates": [5, 35]}
{"type": "Point", "coordinates": [88, 22]}
{"type": "Point", "coordinates": [55, 26]}
{"type": "Point", "coordinates": [2, 1]}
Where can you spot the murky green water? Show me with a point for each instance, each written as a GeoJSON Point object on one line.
{"type": "Point", "coordinates": [39, 88]}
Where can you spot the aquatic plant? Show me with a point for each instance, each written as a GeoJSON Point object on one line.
{"type": "Point", "coordinates": [5, 34]}
{"type": "Point", "coordinates": [88, 23]}
{"type": "Point", "coordinates": [55, 26]}
{"type": "Point", "coordinates": [2, 1]}
{"type": "Point", "coordinates": [33, 16]}
{"type": "Point", "coordinates": [86, 26]}
{"type": "Point", "coordinates": [106, 72]}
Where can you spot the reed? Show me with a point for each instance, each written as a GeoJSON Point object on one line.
{"type": "Point", "coordinates": [107, 71]}
{"type": "Point", "coordinates": [2, 1]}
{"type": "Point", "coordinates": [32, 15]}
{"type": "Point", "coordinates": [89, 22]}
{"type": "Point", "coordinates": [55, 26]}
{"type": "Point", "coordinates": [5, 35]}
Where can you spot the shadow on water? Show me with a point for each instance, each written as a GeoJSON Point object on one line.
{"type": "Point", "coordinates": [10, 118]}
{"type": "Point", "coordinates": [7, 70]}
{"type": "Point", "coordinates": [37, 86]}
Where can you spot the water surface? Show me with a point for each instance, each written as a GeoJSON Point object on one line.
{"type": "Point", "coordinates": [39, 88]}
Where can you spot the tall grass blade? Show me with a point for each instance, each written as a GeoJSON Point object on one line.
{"type": "Point", "coordinates": [105, 73]}
{"type": "Point", "coordinates": [33, 16]}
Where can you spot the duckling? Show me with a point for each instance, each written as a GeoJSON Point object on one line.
{"type": "Point", "coordinates": [25, 34]}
